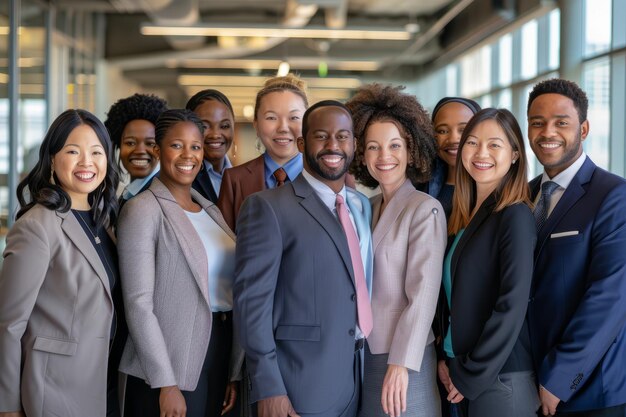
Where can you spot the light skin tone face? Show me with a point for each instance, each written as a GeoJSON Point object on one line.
{"type": "Point", "coordinates": [487, 156]}
{"type": "Point", "coordinates": [386, 156]}
{"type": "Point", "coordinates": [218, 131]}
{"type": "Point", "coordinates": [180, 153]}
{"type": "Point", "coordinates": [449, 124]}
{"type": "Point", "coordinates": [329, 146]}
{"type": "Point", "coordinates": [80, 166]}
{"type": "Point", "coordinates": [278, 124]}
{"type": "Point", "coordinates": [555, 132]}
{"type": "Point", "coordinates": [137, 148]}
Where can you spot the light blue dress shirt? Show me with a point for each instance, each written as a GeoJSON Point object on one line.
{"type": "Point", "coordinates": [293, 168]}
{"type": "Point", "coordinates": [216, 177]}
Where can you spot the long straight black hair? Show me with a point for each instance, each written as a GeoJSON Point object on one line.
{"type": "Point", "coordinates": [37, 187]}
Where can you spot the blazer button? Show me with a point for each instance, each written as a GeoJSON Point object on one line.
{"type": "Point", "coordinates": [353, 297]}
{"type": "Point", "coordinates": [435, 210]}
{"type": "Point", "coordinates": [351, 332]}
{"type": "Point", "coordinates": [531, 299]}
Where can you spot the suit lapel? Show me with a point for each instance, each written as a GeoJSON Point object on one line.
{"type": "Point", "coordinates": [481, 215]}
{"type": "Point", "coordinates": [571, 195]}
{"type": "Point", "coordinates": [316, 208]}
{"type": "Point", "coordinates": [391, 213]}
{"type": "Point", "coordinates": [76, 234]}
{"type": "Point", "coordinates": [256, 176]}
{"type": "Point", "coordinates": [187, 237]}
{"type": "Point", "coordinates": [203, 181]}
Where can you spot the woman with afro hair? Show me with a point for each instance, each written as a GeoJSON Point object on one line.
{"type": "Point", "coordinates": [130, 122]}
{"type": "Point", "coordinates": [395, 146]}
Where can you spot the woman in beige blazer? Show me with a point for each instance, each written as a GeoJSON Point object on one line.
{"type": "Point", "coordinates": [177, 262]}
{"type": "Point", "coordinates": [58, 276]}
{"type": "Point", "coordinates": [409, 238]}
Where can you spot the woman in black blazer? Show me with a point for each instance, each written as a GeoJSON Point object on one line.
{"type": "Point", "coordinates": [488, 272]}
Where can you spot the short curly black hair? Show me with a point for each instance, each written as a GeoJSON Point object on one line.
{"type": "Point", "coordinates": [565, 88]}
{"type": "Point", "coordinates": [136, 107]}
{"type": "Point", "coordinates": [385, 103]}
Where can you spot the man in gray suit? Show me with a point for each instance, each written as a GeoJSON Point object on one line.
{"type": "Point", "coordinates": [295, 294]}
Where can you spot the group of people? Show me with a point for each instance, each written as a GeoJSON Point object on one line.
{"type": "Point", "coordinates": [458, 290]}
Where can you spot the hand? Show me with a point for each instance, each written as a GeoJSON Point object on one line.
{"type": "Point", "coordinates": [549, 401]}
{"type": "Point", "coordinates": [279, 406]}
{"type": "Point", "coordinates": [444, 374]}
{"type": "Point", "coordinates": [395, 384]}
{"type": "Point", "coordinates": [230, 397]}
{"type": "Point", "coordinates": [171, 402]}
{"type": "Point", "coordinates": [12, 414]}
{"type": "Point", "coordinates": [454, 396]}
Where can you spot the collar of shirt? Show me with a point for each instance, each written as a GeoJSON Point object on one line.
{"type": "Point", "coordinates": [325, 193]}
{"type": "Point", "coordinates": [293, 168]}
{"type": "Point", "coordinates": [135, 186]}
{"type": "Point", "coordinates": [564, 178]}
{"type": "Point", "coordinates": [213, 173]}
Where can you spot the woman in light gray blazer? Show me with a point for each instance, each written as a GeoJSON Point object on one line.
{"type": "Point", "coordinates": [177, 262]}
{"type": "Point", "coordinates": [59, 275]}
{"type": "Point", "coordinates": [409, 237]}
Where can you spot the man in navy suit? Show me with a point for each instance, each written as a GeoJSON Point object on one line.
{"type": "Point", "coordinates": [577, 306]}
{"type": "Point", "coordinates": [295, 300]}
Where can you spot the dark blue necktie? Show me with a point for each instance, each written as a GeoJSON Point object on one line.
{"type": "Point", "coordinates": [541, 210]}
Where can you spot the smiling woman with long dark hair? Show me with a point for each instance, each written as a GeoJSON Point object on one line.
{"type": "Point", "coordinates": [59, 275]}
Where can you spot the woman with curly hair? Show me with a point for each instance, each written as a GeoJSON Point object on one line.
{"type": "Point", "coordinates": [130, 122]}
{"type": "Point", "coordinates": [395, 146]}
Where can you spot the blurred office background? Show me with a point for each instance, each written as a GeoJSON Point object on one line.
{"type": "Point", "coordinates": [62, 54]}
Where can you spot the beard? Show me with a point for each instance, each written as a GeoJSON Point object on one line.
{"type": "Point", "coordinates": [329, 174]}
{"type": "Point", "coordinates": [570, 152]}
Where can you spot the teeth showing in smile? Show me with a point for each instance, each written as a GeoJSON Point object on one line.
{"type": "Point", "coordinates": [549, 145]}
{"type": "Point", "coordinates": [186, 168]}
{"type": "Point", "coordinates": [482, 165]}
{"type": "Point", "coordinates": [282, 141]}
{"type": "Point", "coordinates": [140, 162]}
{"type": "Point", "coordinates": [331, 159]}
{"type": "Point", "coordinates": [214, 145]}
{"type": "Point", "coordinates": [385, 167]}
{"type": "Point", "coordinates": [85, 175]}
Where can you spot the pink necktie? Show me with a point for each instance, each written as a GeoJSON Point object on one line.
{"type": "Point", "coordinates": [364, 309]}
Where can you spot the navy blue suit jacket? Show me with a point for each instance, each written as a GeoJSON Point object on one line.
{"type": "Point", "coordinates": [294, 295]}
{"type": "Point", "coordinates": [577, 309]}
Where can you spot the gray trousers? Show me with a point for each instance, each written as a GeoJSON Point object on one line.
{"type": "Point", "coordinates": [513, 394]}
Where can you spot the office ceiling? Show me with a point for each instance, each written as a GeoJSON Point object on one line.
{"type": "Point", "coordinates": [180, 66]}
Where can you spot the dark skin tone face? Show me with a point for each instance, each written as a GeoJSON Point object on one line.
{"type": "Point", "coordinates": [137, 148]}
{"type": "Point", "coordinates": [555, 132]}
{"type": "Point", "coordinates": [329, 146]}
{"type": "Point", "coordinates": [218, 131]}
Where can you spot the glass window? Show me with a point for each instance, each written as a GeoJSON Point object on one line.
{"type": "Point", "coordinates": [555, 36]}
{"type": "Point", "coordinates": [596, 83]}
{"type": "Point", "coordinates": [529, 50]}
{"type": "Point", "coordinates": [4, 113]}
{"type": "Point", "coordinates": [452, 76]}
{"type": "Point", "coordinates": [476, 72]}
{"type": "Point", "coordinates": [504, 99]}
{"type": "Point", "coordinates": [597, 26]}
{"type": "Point", "coordinates": [506, 60]}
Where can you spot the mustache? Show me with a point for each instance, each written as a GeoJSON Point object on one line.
{"type": "Point", "coordinates": [326, 153]}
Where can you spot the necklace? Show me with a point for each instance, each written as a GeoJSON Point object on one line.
{"type": "Point", "coordinates": [96, 238]}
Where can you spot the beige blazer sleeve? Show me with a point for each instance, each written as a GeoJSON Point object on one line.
{"type": "Point", "coordinates": [138, 237]}
{"type": "Point", "coordinates": [26, 260]}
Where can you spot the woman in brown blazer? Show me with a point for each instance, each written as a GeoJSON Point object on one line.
{"type": "Point", "coordinates": [177, 263]}
{"type": "Point", "coordinates": [58, 277]}
{"type": "Point", "coordinates": [278, 112]}
{"type": "Point", "coordinates": [409, 239]}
